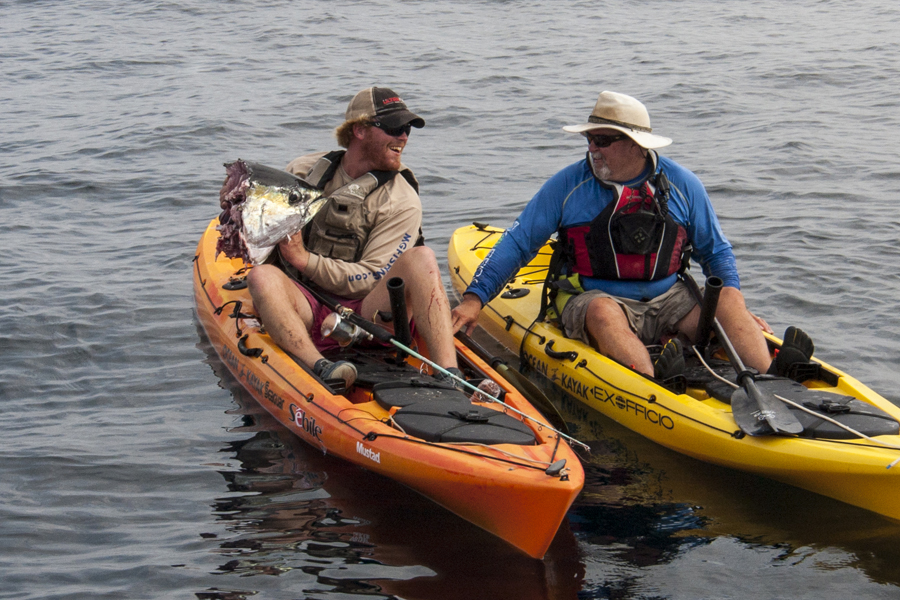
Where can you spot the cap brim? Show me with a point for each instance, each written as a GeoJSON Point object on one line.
{"type": "Point", "coordinates": [641, 138]}
{"type": "Point", "coordinates": [400, 118]}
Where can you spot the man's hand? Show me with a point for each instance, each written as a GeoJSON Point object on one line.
{"type": "Point", "coordinates": [294, 251]}
{"type": "Point", "coordinates": [465, 315]}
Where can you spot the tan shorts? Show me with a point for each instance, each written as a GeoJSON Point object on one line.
{"type": "Point", "coordinates": [651, 320]}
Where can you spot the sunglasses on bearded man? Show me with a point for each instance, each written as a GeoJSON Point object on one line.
{"type": "Point", "coordinates": [392, 131]}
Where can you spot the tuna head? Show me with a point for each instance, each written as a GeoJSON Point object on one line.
{"type": "Point", "coordinates": [262, 206]}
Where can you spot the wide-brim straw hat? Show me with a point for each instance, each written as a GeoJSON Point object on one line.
{"type": "Point", "coordinates": [622, 113]}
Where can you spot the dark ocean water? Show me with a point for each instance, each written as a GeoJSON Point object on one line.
{"type": "Point", "coordinates": [130, 465]}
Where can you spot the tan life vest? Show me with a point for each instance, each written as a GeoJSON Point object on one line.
{"type": "Point", "coordinates": [341, 228]}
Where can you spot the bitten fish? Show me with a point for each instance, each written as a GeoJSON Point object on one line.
{"type": "Point", "coordinates": [261, 206]}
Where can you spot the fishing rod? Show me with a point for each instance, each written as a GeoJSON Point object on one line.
{"type": "Point", "coordinates": [396, 291]}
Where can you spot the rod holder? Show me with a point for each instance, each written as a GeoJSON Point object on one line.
{"type": "Point", "coordinates": [397, 293]}
{"type": "Point", "coordinates": [708, 312]}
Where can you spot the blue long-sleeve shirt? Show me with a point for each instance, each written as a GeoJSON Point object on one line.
{"type": "Point", "coordinates": [575, 197]}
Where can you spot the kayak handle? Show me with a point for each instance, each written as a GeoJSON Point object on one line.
{"type": "Point", "coordinates": [251, 352]}
{"type": "Point", "coordinates": [571, 355]}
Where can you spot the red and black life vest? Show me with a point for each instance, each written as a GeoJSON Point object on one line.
{"type": "Point", "coordinates": [633, 238]}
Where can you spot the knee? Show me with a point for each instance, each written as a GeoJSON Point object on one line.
{"type": "Point", "coordinates": [421, 256]}
{"type": "Point", "coordinates": [417, 261]}
{"type": "Point", "coordinates": [261, 278]}
{"type": "Point", "coordinates": [603, 312]}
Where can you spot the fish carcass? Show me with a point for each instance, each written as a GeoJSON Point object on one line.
{"type": "Point", "coordinates": [261, 206]}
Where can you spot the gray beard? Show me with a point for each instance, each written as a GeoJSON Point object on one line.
{"type": "Point", "coordinates": [602, 173]}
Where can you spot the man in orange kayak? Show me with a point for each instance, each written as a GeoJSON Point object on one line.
{"type": "Point", "coordinates": [625, 217]}
{"type": "Point", "coordinates": [368, 232]}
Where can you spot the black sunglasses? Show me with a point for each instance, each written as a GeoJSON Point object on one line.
{"type": "Point", "coordinates": [603, 141]}
{"type": "Point", "coordinates": [392, 131]}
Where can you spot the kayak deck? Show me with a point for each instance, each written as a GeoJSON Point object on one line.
{"type": "Point", "coordinates": [501, 484]}
{"type": "Point", "coordinates": [690, 420]}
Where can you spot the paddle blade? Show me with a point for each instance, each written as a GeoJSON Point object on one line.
{"type": "Point", "coordinates": [752, 405]}
{"type": "Point", "coordinates": [777, 413]}
{"type": "Point", "coordinates": [747, 414]}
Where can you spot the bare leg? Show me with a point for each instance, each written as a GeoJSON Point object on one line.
{"type": "Point", "coordinates": [284, 310]}
{"type": "Point", "coordinates": [426, 301]}
{"type": "Point", "coordinates": [743, 330]}
{"type": "Point", "coordinates": [740, 326]}
{"type": "Point", "coordinates": [611, 334]}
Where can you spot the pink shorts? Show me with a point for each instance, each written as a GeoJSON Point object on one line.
{"type": "Point", "coordinates": [320, 312]}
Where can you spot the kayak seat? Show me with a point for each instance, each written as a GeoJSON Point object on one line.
{"type": "Point", "coordinates": [406, 391]}
{"type": "Point", "coordinates": [462, 422]}
{"type": "Point", "coordinates": [438, 412]}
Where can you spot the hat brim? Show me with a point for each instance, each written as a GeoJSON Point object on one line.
{"type": "Point", "coordinates": [641, 138]}
{"type": "Point", "coordinates": [400, 118]}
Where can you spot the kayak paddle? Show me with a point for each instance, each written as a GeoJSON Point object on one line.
{"type": "Point", "coordinates": [755, 412]}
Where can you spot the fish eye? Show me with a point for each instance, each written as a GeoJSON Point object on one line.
{"type": "Point", "coordinates": [294, 198]}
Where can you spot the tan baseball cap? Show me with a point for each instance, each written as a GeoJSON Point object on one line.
{"type": "Point", "coordinates": [382, 105]}
{"type": "Point", "coordinates": [622, 113]}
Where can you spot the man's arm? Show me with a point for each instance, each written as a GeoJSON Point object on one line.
{"type": "Point", "coordinates": [518, 245]}
{"type": "Point", "coordinates": [710, 246]}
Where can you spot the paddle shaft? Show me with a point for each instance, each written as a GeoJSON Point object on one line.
{"type": "Point", "coordinates": [531, 392]}
{"type": "Point", "coordinates": [771, 410]}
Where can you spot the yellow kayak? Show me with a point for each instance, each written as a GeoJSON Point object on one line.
{"type": "Point", "coordinates": [698, 421]}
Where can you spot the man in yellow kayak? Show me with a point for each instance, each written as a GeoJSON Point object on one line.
{"type": "Point", "coordinates": [625, 218]}
{"type": "Point", "coordinates": [368, 232]}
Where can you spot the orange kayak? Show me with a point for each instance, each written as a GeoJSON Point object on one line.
{"type": "Point", "coordinates": [503, 470]}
